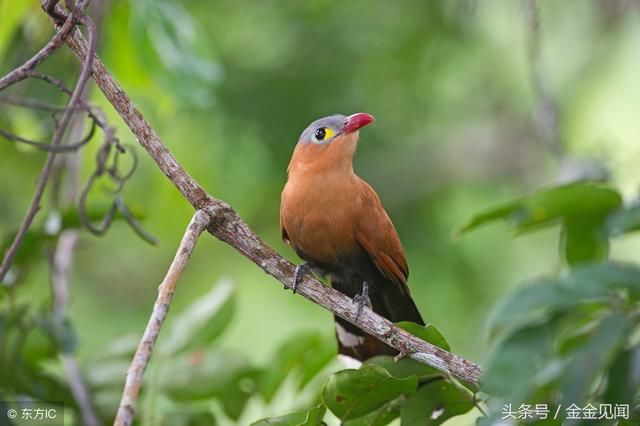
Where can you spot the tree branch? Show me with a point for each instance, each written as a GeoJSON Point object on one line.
{"type": "Point", "coordinates": [227, 226]}
{"type": "Point", "coordinates": [56, 41]}
{"type": "Point", "coordinates": [43, 179]}
{"type": "Point", "coordinates": [126, 410]}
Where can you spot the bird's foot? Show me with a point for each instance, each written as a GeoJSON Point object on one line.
{"type": "Point", "coordinates": [400, 355]}
{"type": "Point", "coordinates": [300, 271]}
{"type": "Point", "coordinates": [362, 299]}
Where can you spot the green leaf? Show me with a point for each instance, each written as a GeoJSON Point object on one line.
{"type": "Point", "coordinates": [407, 367]}
{"type": "Point", "coordinates": [428, 333]}
{"type": "Point", "coordinates": [597, 279]}
{"type": "Point", "coordinates": [293, 419]}
{"type": "Point", "coordinates": [380, 417]}
{"type": "Point", "coordinates": [529, 303]}
{"type": "Point", "coordinates": [590, 283]}
{"type": "Point", "coordinates": [520, 362]}
{"type": "Point", "coordinates": [623, 382]}
{"type": "Point", "coordinates": [584, 241]}
{"type": "Point", "coordinates": [306, 353]}
{"type": "Point", "coordinates": [549, 206]}
{"type": "Point", "coordinates": [38, 346]}
{"type": "Point", "coordinates": [588, 362]}
{"type": "Point", "coordinates": [623, 221]}
{"type": "Point", "coordinates": [313, 417]}
{"type": "Point", "coordinates": [434, 403]}
{"type": "Point", "coordinates": [202, 321]}
{"type": "Point", "coordinates": [353, 393]}
{"type": "Point", "coordinates": [510, 210]}
{"type": "Point", "coordinates": [404, 368]}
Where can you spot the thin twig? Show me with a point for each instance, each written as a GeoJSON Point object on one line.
{"type": "Point", "coordinates": [229, 227]}
{"type": "Point", "coordinates": [94, 113]}
{"type": "Point", "coordinates": [31, 103]}
{"type": "Point", "coordinates": [57, 139]}
{"type": "Point", "coordinates": [56, 41]}
{"type": "Point", "coordinates": [46, 147]}
{"type": "Point", "coordinates": [126, 410]}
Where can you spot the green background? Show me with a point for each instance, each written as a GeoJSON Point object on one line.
{"type": "Point", "coordinates": [229, 85]}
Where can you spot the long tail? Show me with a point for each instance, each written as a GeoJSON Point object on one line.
{"type": "Point", "coordinates": [387, 300]}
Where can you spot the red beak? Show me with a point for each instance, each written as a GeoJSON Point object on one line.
{"type": "Point", "coordinates": [356, 121]}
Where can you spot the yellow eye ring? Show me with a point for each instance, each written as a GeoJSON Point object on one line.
{"type": "Point", "coordinates": [323, 133]}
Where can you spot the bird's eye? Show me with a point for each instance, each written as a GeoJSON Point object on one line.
{"type": "Point", "coordinates": [323, 133]}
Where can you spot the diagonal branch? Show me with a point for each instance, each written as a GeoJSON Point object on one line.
{"type": "Point", "coordinates": [126, 410]}
{"type": "Point", "coordinates": [230, 228]}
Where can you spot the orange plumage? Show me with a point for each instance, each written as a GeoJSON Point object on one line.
{"type": "Point", "coordinates": [335, 221]}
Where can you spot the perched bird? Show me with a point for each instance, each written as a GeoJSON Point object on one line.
{"type": "Point", "coordinates": [335, 222]}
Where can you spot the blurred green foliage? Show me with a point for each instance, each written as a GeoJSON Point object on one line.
{"type": "Point", "coordinates": [228, 86]}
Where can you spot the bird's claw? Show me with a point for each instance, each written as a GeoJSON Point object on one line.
{"type": "Point", "coordinates": [300, 271]}
{"type": "Point", "coordinates": [362, 299]}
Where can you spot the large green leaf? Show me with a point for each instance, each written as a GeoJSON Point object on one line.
{"type": "Point", "coordinates": [201, 322]}
{"type": "Point", "coordinates": [623, 384]}
{"type": "Point", "coordinates": [353, 393]}
{"type": "Point", "coordinates": [589, 361]}
{"type": "Point", "coordinates": [581, 208]}
{"type": "Point", "coordinates": [520, 362]}
{"type": "Point", "coordinates": [548, 206]}
{"type": "Point", "coordinates": [529, 303]}
{"type": "Point", "coordinates": [313, 417]}
{"type": "Point", "coordinates": [591, 283]}
{"type": "Point", "coordinates": [434, 403]}
{"type": "Point", "coordinates": [595, 279]}
{"type": "Point", "coordinates": [623, 221]}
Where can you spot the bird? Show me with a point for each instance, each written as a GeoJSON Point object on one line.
{"type": "Point", "coordinates": [336, 223]}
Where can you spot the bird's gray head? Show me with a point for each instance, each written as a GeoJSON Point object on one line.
{"type": "Point", "coordinates": [325, 130]}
